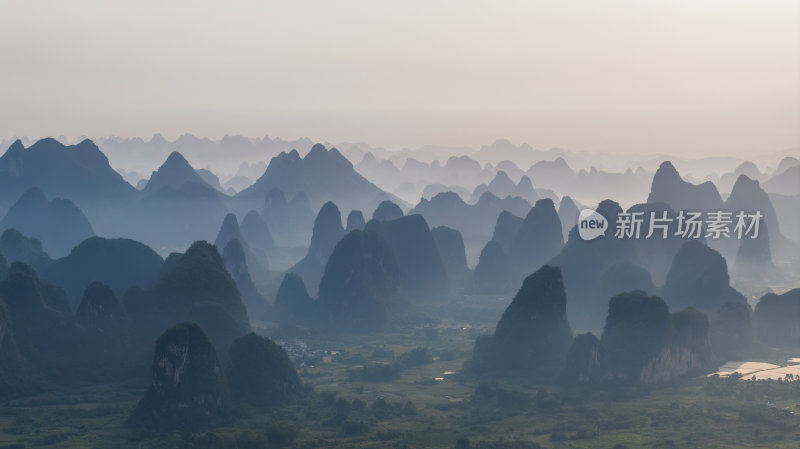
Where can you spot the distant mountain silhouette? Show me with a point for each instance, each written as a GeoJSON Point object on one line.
{"type": "Point", "coordinates": [501, 186]}
{"type": "Point", "coordinates": [511, 169]}
{"type": "Point", "coordinates": [261, 373]}
{"type": "Point", "coordinates": [210, 178]}
{"type": "Point", "coordinates": [506, 229]}
{"type": "Point", "coordinates": [538, 239]}
{"type": "Point", "coordinates": [656, 252]}
{"type": "Point", "coordinates": [19, 248]}
{"type": "Point", "coordinates": [748, 196]}
{"type": "Point", "coordinates": [787, 208]}
{"type": "Point", "coordinates": [117, 263]}
{"type": "Point", "coordinates": [230, 154]}
{"type": "Point", "coordinates": [59, 224]}
{"type": "Point", "coordinates": [699, 278]}
{"type": "Point", "coordinates": [383, 173]}
{"type": "Point", "coordinates": [187, 390]}
{"type": "Point", "coordinates": [583, 264]}
{"type": "Point", "coordinates": [785, 183]}
{"type": "Point", "coordinates": [451, 249]}
{"type": "Point", "coordinates": [568, 214]}
{"type": "Point", "coordinates": [622, 277]}
{"type": "Point", "coordinates": [361, 284]}
{"type": "Point", "coordinates": [431, 190]}
{"type": "Point", "coordinates": [236, 261]}
{"type": "Point", "coordinates": [747, 168]}
{"type": "Point", "coordinates": [478, 192]}
{"type": "Point", "coordinates": [300, 213]}
{"type": "Point", "coordinates": [533, 335]}
{"type": "Point", "coordinates": [275, 209]}
{"type": "Point", "coordinates": [256, 232]}
{"type": "Point", "coordinates": [292, 302]}
{"type": "Point", "coordinates": [327, 232]}
{"type": "Point", "coordinates": [785, 164]}
{"type": "Point", "coordinates": [422, 271]}
{"type": "Point", "coordinates": [323, 174]}
{"type": "Point", "coordinates": [387, 211]}
{"type": "Point", "coordinates": [524, 189]}
{"type": "Point", "coordinates": [174, 217]}
{"type": "Point", "coordinates": [493, 274]}
{"type": "Point", "coordinates": [289, 226]}
{"type": "Point", "coordinates": [80, 172]}
{"type": "Point", "coordinates": [174, 173]}
{"type": "Point", "coordinates": [668, 187]}
{"type": "Point", "coordinates": [199, 289]}
{"type": "Point", "coordinates": [475, 222]}
{"type": "Point", "coordinates": [754, 257]}
{"type": "Point", "coordinates": [230, 231]}
{"type": "Point", "coordinates": [551, 173]}
{"type": "Point", "coordinates": [289, 222]}
{"type": "Point", "coordinates": [355, 221]}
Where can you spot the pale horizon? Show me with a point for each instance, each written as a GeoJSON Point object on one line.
{"type": "Point", "coordinates": [689, 79]}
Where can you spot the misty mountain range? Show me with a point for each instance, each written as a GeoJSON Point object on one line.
{"type": "Point", "coordinates": [98, 277]}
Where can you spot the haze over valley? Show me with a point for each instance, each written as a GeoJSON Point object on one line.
{"type": "Point", "coordinates": [449, 225]}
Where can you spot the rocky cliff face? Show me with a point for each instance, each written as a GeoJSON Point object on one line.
{"type": "Point", "coordinates": [646, 344]}
{"type": "Point", "coordinates": [186, 389]}
{"type": "Point", "coordinates": [669, 364]}
{"type": "Point", "coordinates": [585, 360]}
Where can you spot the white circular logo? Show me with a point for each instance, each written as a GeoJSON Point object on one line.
{"type": "Point", "coordinates": [591, 224]}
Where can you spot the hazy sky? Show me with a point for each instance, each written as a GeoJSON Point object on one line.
{"type": "Point", "coordinates": [683, 77]}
